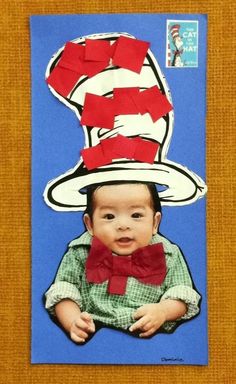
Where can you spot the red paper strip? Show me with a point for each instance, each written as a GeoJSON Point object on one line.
{"type": "Point", "coordinates": [119, 146]}
{"type": "Point", "coordinates": [78, 67]}
{"type": "Point", "coordinates": [123, 100]}
{"type": "Point", "coordinates": [145, 151]}
{"type": "Point", "coordinates": [159, 107]}
{"type": "Point", "coordinates": [94, 157]}
{"type": "Point", "coordinates": [144, 98]}
{"type": "Point", "coordinates": [113, 47]}
{"type": "Point", "coordinates": [107, 147]}
{"type": "Point", "coordinates": [124, 147]}
{"type": "Point", "coordinates": [69, 69]}
{"type": "Point", "coordinates": [92, 68]}
{"type": "Point", "coordinates": [130, 53]}
{"type": "Point", "coordinates": [153, 101]}
{"type": "Point", "coordinates": [94, 57]}
{"type": "Point", "coordinates": [73, 54]}
{"type": "Point", "coordinates": [97, 50]}
{"type": "Point", "coordinates": [84, 59]}
{"type": "Point", "coordinates": [98, 111]}
{"type": "Point", "coordinates": [62, 80]}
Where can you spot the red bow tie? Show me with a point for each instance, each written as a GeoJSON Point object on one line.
{"type": "Point", "coordinates": [147, 264]}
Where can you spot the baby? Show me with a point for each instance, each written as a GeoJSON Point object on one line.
{"type": "Point", "coordinates": [122, 272]}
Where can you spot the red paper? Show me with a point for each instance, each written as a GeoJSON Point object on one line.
{"type": "Point", "coordinates": [92, 68]}
{"type": "Point", "coordinates": [94, 157]}
{"type": "Point", "coordinates": [93, 58]}
{"type": "Point", "coordinates": [130, 53]}
{"type": "Point", "coordinates": [62, 80]}
{"type": "Point", "coordinates": [98, 111]}
{"type": "Point", "coordinates": [145, 150]}
{"type": "Point", "coordinates": [97, 50]}
{"type": "Point", "coordinates": [159, 107]}
{"type": "Point", "coordinates": [143, 98]}
{"type": "Point", "coordinates": [123, 100]}
{"type": "Point", "coordinates": [153, 101]}
{"type": "Point", "coordinates": [69, 69]}
{"type": "Point", "coordinates": [124, 147]}
{"type": "Point", "coordinates": [113, 48]}
{"type": "Point", "coordinates": [72, 56]}
{"type": "Point", "coordinates": [119, 146]}
{"type": "Point", "coordinates": [107, 147]}
{"type": "Point", "coordinates": [79, 58]}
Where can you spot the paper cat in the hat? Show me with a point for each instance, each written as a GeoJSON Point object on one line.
{"type": "Point", "coordinates": [67, 192]}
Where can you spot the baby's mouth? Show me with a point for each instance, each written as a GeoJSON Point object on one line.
{"type": "Point", "coordinates": [124, 240]}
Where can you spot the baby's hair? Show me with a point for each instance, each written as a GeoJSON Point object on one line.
{"type": "Point", "coordinates": [155, 200]}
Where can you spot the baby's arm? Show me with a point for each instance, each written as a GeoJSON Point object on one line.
{"type": "Point", "coordinates": [78, 324]}
{"type": "Point", "coordinates": [150, 317]}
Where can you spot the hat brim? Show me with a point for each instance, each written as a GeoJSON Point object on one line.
{"type": "Point", "coordinates": [180, 186]}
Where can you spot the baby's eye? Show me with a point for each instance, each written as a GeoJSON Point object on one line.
{"type": "Point", "coordinates": [136, 215]}
{"type": "Point", "coordinates": [109, 216]}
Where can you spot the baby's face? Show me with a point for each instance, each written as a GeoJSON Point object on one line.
{"type": "Point", "coordinates": [123, 217]}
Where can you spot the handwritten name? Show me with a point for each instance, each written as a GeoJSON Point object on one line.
{"type": "Point", "coordinates": [178, 359]}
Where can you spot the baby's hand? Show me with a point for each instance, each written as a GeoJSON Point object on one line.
{"type": "Point", "coordinates": [81, 327]}
{"type": "Point", "coordinates": [151, 317]}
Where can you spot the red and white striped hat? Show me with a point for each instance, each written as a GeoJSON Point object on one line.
{"type": "Point", "coordinates": [66, 193]}
{"type": "Point", "coordinates": [174, 30]}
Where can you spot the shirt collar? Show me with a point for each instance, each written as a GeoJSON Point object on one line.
{"type": "Point", "coordinates": [84, 239]}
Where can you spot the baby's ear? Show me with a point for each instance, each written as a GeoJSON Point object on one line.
{"type": "Point", "coordinates": [156, 222]}
{"type": "Point", "coordinates": [88, 223]}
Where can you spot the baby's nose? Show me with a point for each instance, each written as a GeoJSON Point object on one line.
{"type": "Point", "coordinates": [123, 224]}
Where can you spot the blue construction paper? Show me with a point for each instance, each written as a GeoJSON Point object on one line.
{"type": "Point", "coordinates": [56, 141]}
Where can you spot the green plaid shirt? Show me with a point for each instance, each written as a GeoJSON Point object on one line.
{"type": "Point", "coordinates": [118, 310]}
